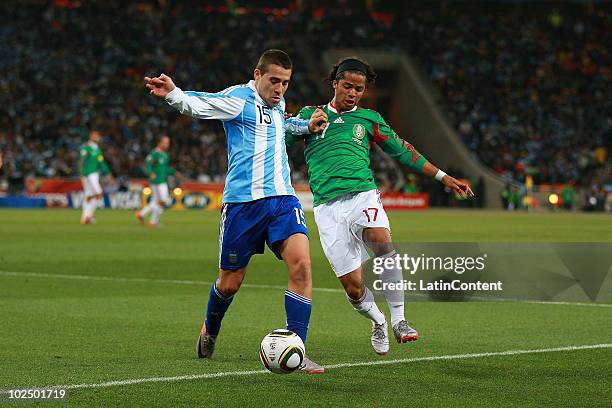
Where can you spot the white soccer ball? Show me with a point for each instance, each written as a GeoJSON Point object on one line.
{"type": "Point", "coordinates": [282, 351]}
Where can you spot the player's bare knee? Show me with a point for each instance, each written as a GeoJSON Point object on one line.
{"type": "Point", "coordinates": [302, 266]}
{"type": "Point", "coordinates": [354, 292]}
{"type": "Point", "coordinates": [229, 283]}
{"type": "Point", "coordinates": [379, 240]}
{"type": "Point", "coordinates": [300, 270]}
{"type": "Point", "coordinates": [228, 287]}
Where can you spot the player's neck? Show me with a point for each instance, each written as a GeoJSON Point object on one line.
{"type": "Point", "coordinates": [333, 108]}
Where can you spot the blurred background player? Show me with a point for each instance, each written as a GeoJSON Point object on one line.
{"type": "Point", "coordinates": [157, 168]}
{"type": "Point", "coordinates": [259, 203]}
{"type": "Point", "coordinates": [348, 209]}
{"type": "Point", "coordinates": [91, 161]}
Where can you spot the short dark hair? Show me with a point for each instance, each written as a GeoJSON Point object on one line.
{"type": "Point", "coordinates": [276, 57]}
{"type": "Point", "coordinates": [335, 76]}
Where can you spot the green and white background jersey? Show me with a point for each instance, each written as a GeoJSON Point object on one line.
{"type": "Point", "coordinates": [339, 158]}
{"type": "Point", "coordinates": [91, 160]}
{"type": "Point", "coordinates": [157, 167]}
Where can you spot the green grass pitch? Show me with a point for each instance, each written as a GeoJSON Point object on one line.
{"type": "Point", "coordinates": [117, 301]}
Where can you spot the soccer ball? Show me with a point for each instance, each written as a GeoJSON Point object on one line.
{"type": "Point", "coordinates": [282, 351]}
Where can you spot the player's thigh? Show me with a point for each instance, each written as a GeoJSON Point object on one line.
{"type": "Point", "coordinates": [94, 182]}
{"type": "Point", "coordinates": [378, 239]}
{"type": "Point", "coordinates": [241, 234]}
{"type": "Point", "coordinates": [295, 249]}
{"type": "Point", "coordinates": [367, 212]}
{"type": "Point", "coordinates": [340, 248]}
{"type": "Point", "coordinates": [87, 190]}
{"type": "Point", "coordinates": [155, 193]}
{"type": "Point", "coordinates": [160, 193]}
{"type": "Point", "coordinates": [286, 220]}
{"type": "Point", "coordinates": [91, 185]}
{"type": "Point", "coordinates": [164, 194]}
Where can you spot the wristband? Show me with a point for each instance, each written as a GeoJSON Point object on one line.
{"type": "Point", "coordinates": [440, 175]}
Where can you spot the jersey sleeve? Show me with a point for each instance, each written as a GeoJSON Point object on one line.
{"type": "Point", "coordinates": [291, 136]}
{"type": "Point", "coordinates": [297, 126]}
{"type": "Point", "coordinates": [395, 146]}
{"type": "Point", "coordinates": [204, 105]}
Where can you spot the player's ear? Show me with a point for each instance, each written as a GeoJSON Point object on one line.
{"type": "Point", "coordinates": [334, 84]}
{"type": "Point", "coordinates": [257, 73]}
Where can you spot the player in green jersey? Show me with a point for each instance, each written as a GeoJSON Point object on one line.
{"type": "Point", "coordinates": [91, 161]}
{"type": "Point", "coordinates": [157, 169]}
{"type": "Point", "coordinates": [348, 209]}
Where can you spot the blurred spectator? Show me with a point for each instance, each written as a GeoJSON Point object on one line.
{"type": "Point", "coordinates": [528, 88]}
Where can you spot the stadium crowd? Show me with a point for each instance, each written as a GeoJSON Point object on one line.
{"type": "Point", "coordinates": [83, 66]}
{"type": "Point", "coordinates": [531, 98]}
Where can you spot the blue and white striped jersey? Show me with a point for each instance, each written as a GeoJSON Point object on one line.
{"type": "Point", "coordinates": [258, 166]}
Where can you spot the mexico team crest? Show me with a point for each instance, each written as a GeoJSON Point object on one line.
{"type": "Point", "coordinates": [359, 131]}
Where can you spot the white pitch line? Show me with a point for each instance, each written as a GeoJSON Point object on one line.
{"type": "Point", "coordinates": [146, 280]}
{"type": "Point", "coordinates": [261, 286]}
{"type": "Point", "coordinates": [332, 366]}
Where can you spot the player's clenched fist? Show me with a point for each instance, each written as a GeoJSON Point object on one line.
{"type": "Point", "coordinates": [159, 86]}
{"type": "Point", "coordinates": [318, 121]}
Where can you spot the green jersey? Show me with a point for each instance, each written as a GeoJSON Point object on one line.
{"type": "Point", "coordinates": [339, 158]}
{"type": "Point", "coordinates": [157, 167]}
{"type": "Point", "coordinates": [91, 160]}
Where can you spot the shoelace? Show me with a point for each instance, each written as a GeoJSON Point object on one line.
{"type": "Point", "coordinates": [401, 326]}
{"type": "Point", "coordinates": [379, 332]}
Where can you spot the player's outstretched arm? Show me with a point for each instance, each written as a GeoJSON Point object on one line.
{"type": "Point", "coordinates": [159, 86]}
{"type": "Point", "coordinates": [201, 105]}
{"type": "Point", "coordinates": [296, 126]}
{"type": "Point", "coordinates": [459, 187]}
{"type": "Point", "coordinates": [406, 154]}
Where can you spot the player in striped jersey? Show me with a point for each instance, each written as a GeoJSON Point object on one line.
{"type": "Point", "coordinates": [259, 203]}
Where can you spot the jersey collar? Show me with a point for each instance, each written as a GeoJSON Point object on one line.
{"type": "Point", "coordinates": [333, 109]}
{"type": "Point", "coordinates": [258, 98]}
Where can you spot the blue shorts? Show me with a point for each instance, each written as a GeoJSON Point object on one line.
{"type": "Point", "coordinates": [245, 227]}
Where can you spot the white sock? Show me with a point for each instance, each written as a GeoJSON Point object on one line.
{"type": "Point", "coordinates": [395, 298]}
{"type": "Point", "coordinates": [145, 211]}
{"type": "Point", "coordinates": [367, 307]}
{"type": "Point", "coordinates": [86, 208]}
{"type": "Point", "coordinates": [156, 211]}
{"type": "Point", "coordinates": [93, 205]}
